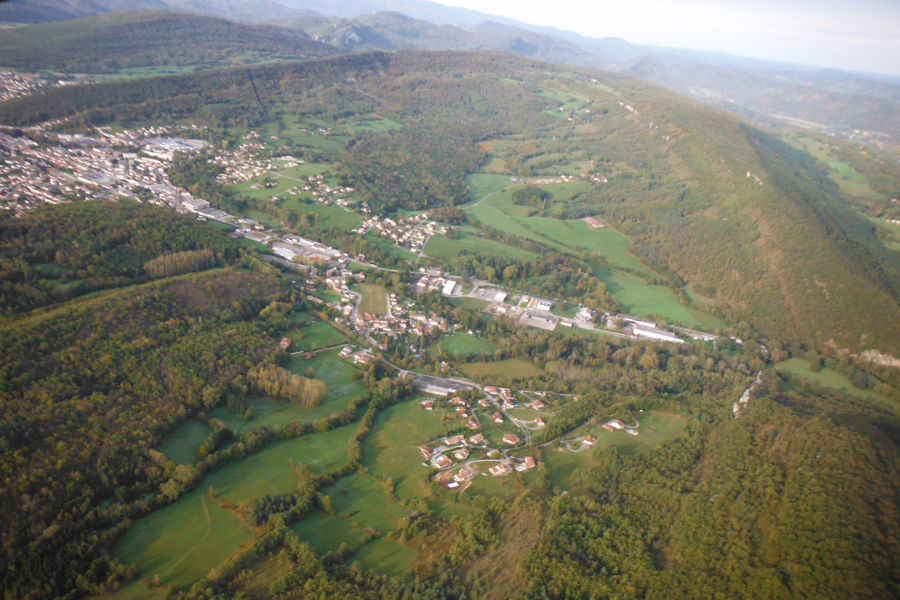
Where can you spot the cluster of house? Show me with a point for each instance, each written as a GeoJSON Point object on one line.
{"type": "Point", "coordinates": [456, 449]}
{"type": "Point", "coordinates": [79, 166]}
{"type": "Point", "coordinates": [360, 357]}
{"type": "Point", "coordinates": [411, 233]}
{"type": "Point", "coordinates": [14, 84]}
{"type": "Point", "coordinates": [243, 162]}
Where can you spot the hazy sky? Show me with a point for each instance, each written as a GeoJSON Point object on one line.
{"type": "Point", "coordinates": [861, 35]}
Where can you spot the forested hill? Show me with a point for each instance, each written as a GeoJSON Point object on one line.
{"type": "Point", "coordinates": [109, 42]}
{"type": "Point", "coordinates": [729, 212]}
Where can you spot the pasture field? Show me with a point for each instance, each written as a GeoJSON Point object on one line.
{"type": "Point", "coordinates": [506, 487]}
{"type": "Point", "coordinates": [182, 445]}
{"type": "Point", "coordinates": [527, 414]}
{"type": "Point", "coordinates": [361, 507]}
{"type": "Point", "coordinates": [387, 247]}
{"type": "Point", "coordinates": [846, 177]}
{"type": "Point", "coordinates": [390, 448]}
{"type": "Point", "coordinates": [655, 428]}
{"type": "Point", "coordinates": [363, 502]}
{"type": "Point", "coordinates": [327, 216]}
{"type": "Point", "coordinates": [318, 334]}
{"type": "Point", "coordinates": [644, 299]}
{"type": "Point", "coordinates": [513, 368]}
{"type": "Point", "coordinates": [267, 412]}
{"type": "Point", "coordinates": [889, 233]}
{"type": "Point", "coordinates": [465, 345]}
{"type": "Point", "coordinates": [470, 303]}
{"type": "Point", "coordinates": [269, 471]}
{"type": "Point", "coordinates": [326, 533]}
{"type": "Point", "coordinates": [337, 375]}
{"type": "Point", "coordinates": [374, 298]}
{"type": "Point", "coordinates": [442, 247]}
{"type": "Point", "coordinates": [182, 541]}
{"type": "Point", "coordinates": [385, 556]}
{"type": "Point", "coordinates": [482, 184]}
{"type": "Point", "coordinates": [831, 379]}
{"type": "Point", "coordinates": [304, 170]}
{"type": "Point", "coordinates": [372, 122]}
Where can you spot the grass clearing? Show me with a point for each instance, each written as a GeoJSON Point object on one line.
{"type": "Point", "coordinates": [374, 299]}
{"type": "Point", "coordinates": [316, 335]}
{"type": "Point", "coordinates": [184, 540]}
{"type": "Point", "coordinates": [385, 556]}
{"type": "Point", "coordinates": [442, 247]}
{"type": "Point", "coordinates": [512, 368]}
{"type": "Point", "coordinates": [363, 501]}
{"type": "Point", "coordinates": [831, 379]}
{"type": "Point", "coordinates": [482, 184]}
{"type": "Point", "coordinates": [465, 345]}
{"type": "Point", "coordinates": [655, 428]}
{"type": "Point", "coordinates": [390, 450]}
{"type": "Point", "coordinates": [182, 445]}
{"type": "Point", "coordinates": [326, 533]}
{"type": "Point", "coordinates": [266, 412]}
{"type": "Point", "coordinates": [641, 298]}
{"type": "Point", "coordinates": [337, 375]}
{"type": "Point", "coordinates": [470, 303]}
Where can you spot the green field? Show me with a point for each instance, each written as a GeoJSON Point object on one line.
{"type": "Point", "coordinates": [655, 427]}
{"type": "Point", "coordinates": [267, 412]}
{"type": "Point", "coordinates": [464, 344]}
{"type": "Point", "coordinates": [372, 122]}
{"type": "Point", "coordinates": [644, 299]}
{"type": "Point", "coordinates": [181, 542]}
{"type": "Point", "coordinates": [374, 299]}
{"type": "Point", "coordinates": [326, 533]}
{"type": "Point", "coordinates": [183, 444]}
{"type": "Point", "coordinates": [315, 335]}
{"type": "Point", "coordinates": [482, 184]}
{"type": "Point", "coordinates": [361, 508]}
{"type": "Point", "coordinates": [513, 368]}
{"type": "Point", "coordinates": [390, 449]}
{"type": "Point", "coordinates": [469, 303]}
{"type": "Point", "coordinates": [846, 177]}
{"type": "Point", "coordinates": [442, 247]}
{"type": "Point", "coordinates": [385, 556]}
{"type": "Point", "coordinates": [828, 378]}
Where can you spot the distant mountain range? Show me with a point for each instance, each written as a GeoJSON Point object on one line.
{"type": "Point", "coordinates": [858, 106]}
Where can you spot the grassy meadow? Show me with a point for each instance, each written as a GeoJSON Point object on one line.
{"type": "Point", "coordinates": [182, 541]}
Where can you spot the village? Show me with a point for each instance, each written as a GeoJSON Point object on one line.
{"type": "Point", "coordinates": [493, 436]}
{"type": "Point", "coordinates": [496, 434]}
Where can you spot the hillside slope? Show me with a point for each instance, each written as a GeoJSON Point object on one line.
{"type": "Point", "coordinates": [731, 213]}
{"type": "Point", "coordinates": [109, 42]}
